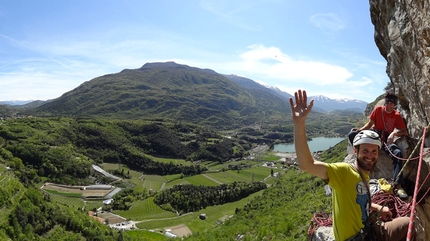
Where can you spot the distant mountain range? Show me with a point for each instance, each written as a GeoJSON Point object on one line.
{"type": "Point", "coordinates": [182, 93]}
{"type": "Point", "coordinates": [327, 104]}
{"type": "Point", "coordinates": [321, 104]}
{"type": "Point", "coordinates": [15, 102]}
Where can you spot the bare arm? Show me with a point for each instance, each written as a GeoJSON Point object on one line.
{"type": "Point", "coordinates": [384, 212]}
{"type": "Point", "coordinates": [299, 113]}
{"type": "Point", "coordinates": [402, 132]}
{"type": "Point", "coordinates": [366, 126]}
{"type": "Point", "coordinates": [399, 133]}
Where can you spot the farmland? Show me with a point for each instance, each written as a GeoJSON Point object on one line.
{"type": "Point", "coordinates": [149, 216]}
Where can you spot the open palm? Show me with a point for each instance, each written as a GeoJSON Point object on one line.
{"type": "Point", "coordinates": [300, 109]}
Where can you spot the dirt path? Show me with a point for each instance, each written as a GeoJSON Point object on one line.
{"type": "Point", "coordinates": [210, 178]}
{"type": "Point", "coordinates": [157, 219]}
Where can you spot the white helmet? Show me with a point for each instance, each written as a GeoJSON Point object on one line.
{"type": "Point", "coordinates": [368, 137]}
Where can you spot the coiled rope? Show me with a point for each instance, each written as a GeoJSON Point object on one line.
{"type": "Point", "coordinates": [320, 219]}
{"type": "Point", "coordinates": [397, 206]}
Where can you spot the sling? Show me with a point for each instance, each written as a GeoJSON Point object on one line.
{"type": "Point", "coordinates": [362, 234]}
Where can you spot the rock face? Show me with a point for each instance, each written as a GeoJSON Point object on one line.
{"type": "Point", "coordinates": [402, 35]}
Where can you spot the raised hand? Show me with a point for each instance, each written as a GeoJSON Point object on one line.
{"type": "Point", "coordinates": [301, 109]}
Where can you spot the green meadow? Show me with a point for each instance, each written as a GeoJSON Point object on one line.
{"type": "Point", "coordinates": [149, 216]}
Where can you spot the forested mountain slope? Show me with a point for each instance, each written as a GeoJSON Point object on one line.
{"type": "Point", "coordinates": [169, 90]}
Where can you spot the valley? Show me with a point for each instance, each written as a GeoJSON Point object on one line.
{"type": "Point", "coordinates": [159, 150]}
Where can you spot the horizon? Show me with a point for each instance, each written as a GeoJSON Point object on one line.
{"type": "Point", "coordinates": [23, 102]}
{"type": "Point", "coordinates": [48, 49]}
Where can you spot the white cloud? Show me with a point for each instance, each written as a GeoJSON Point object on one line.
{"type": "Point", "coordinates": [35, 86]}
{"type": "Point", "coordinates": [66, 66]}
{"type": "Point", "coordinates": [328, 21]}
{"type": "Point", "coordinates": [272, 63]}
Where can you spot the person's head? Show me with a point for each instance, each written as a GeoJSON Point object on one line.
{"type": "Point", "coordinates": [366, 146]}
{"type": "Point", "coordinates": [390, 102]}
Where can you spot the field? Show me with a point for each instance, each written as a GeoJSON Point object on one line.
{"type": "Point", "coordinates": [145, 210]}
{"type": "Point", "coordinates": [174, 161]}
{"type": "Point", "coordinates": [74, 196]}
{"type": "Point", "coordinates": [214, 216]}
{"type": "Point", "coordinates": [112, 218]}
{"type": "Point", "coordinates": [148, 216]}
{"type": "Point", "coordinates": [153, 182]}
{"type": "Point", "coordinates": [75, 191]}
{"type": "Point", "coordinates": [195, 180]}
{"type": "Point", "coordinates": [257, 173]}
{"type": "Point", "coordinates": [180, 230]}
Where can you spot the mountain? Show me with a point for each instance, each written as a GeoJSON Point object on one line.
{"type": "Point", "coordinates": [251, 84]}
{"type": "Point", "coordinates": [173, 91]}
{"type": "Point", "coordinates": [256, 87]}
{"type": "Point", "coordinates": [15, 102]}
{"type": "Point", "coordinates": [182, 93]}
{"type": "Point", "coordinates": [321, 104]}
{"type": "Point", "coordinates": [328, 105]}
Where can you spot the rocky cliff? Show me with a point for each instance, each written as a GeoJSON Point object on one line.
{"type": "Point", "coordinates": [402, 35]}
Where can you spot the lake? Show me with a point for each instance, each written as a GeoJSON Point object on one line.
{"type": "Point", "coordinates": [316, 144]}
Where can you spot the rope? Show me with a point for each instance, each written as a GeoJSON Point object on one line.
{"type": "Point", "coordinates": [397, 206]}
{"type": "Point", "coordinates": [320, 219]}
{"type": "Point", "coordinates": [422, 185]}
{"type": "Point", "coordinates": [405, 159]}
{"type": "Point", "coordinates": [413, 151]}
{"type": "Point", "coordinates": [411, 220]}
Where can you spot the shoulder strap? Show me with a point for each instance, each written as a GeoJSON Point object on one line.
{"type": "Point", "coordinates": [365, 183]}
{"type": "Point", "coordinates": [383, 119]}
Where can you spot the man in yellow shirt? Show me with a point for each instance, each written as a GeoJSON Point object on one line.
{"type": "Point", "coordinates": [351, 196]}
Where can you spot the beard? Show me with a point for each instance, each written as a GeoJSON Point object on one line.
{"type": "Point", "coordinates": [366, 165]}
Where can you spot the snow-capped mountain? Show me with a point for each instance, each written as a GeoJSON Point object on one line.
{"type": "Point", "coordinates": [327, 104]}
{"type": "Point", "coordinates": [321, 104]}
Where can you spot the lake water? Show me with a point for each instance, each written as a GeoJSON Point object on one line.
{"type": "Point", "coordinates": [316, 144]}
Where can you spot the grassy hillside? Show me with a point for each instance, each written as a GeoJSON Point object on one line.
{"type": "Point", "coordinates": [168, 90]}
{"type": "Point", "coordinates": [27, 214]}
{"type": "Point", "coordinates": [283, 211]}
{"type": "Point", "coordinates": [62, 150]}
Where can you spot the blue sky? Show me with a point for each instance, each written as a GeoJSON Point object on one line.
{"type": "Point", "coordinates": [326, 47]}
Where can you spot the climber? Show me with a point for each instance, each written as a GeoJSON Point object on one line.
{"type": "Point", "coordinates": [389, 124]}
{"type": "Point", "coordinates": [350, 182]}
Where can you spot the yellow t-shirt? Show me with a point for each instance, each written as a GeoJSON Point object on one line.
{"type": "Point", "coordinates": [350, 199]}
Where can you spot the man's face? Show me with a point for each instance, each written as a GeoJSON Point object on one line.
{"type": "Point", "coordinates": [367, 155]}
{"type": "Point", "coordinates": [389, 106]}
